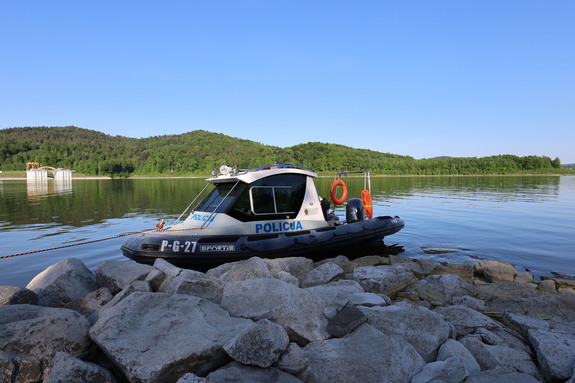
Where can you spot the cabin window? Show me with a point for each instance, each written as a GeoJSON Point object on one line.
{"type": "Point", "coordinates": [271, 199]}
{"type": "Point", "coordinates": [274, 197]}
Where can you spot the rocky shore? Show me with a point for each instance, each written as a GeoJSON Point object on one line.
{"type": "Point", "coordinates": [372, 319]}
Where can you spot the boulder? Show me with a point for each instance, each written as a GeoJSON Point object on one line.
{"type": "Point", "coordinates": [367, 355]}
{"type": "Point", "coordinates": [91, 302]}
{"type": "Point", "coordinates": [41, 332]}
{"type": "Point", "coordinates": [369, 299]}
{"type": "Point", "coordinates": [62, 283]}
{"type": "Point", "coordinates": [440, 289]}
{"type": "Point", "coordinates": [471, 302]}
{"type": "Point", "coordinates": [249, 269]}
{"type": "Point", "coordinates": [490, 357]}
{"type": "Point", "coordinates": [16, 367]}
{"type": "Point", "coordinates": [157, 337]}
{"type": "Point", "coordinates": [495, 271]}
{"type": "Point", "coordinates": [451, 370]}
{"type": "Point", "coordinates": [388, 280]}
{"type": "Point", "coordinates": [287, 277]}
{"type": "Point", "coordinates": [335, 291]}
{"type": "Point", "coordinates": [292, 360]}
{"type": "Point", "coordinates": [523, 278]}
{"type": "Point", "coordinates": [67, 368]}
{"type": "Point", "coordinates": [299, 267]}
{"type": "Point", "coordinates": [116, 275]}
{"type": "Point", "coordinates": [155, 278]}
{"type": "Point", "coordinates": [491, 291]}
{"type": "Point", "coordinates": [452, 348]}
{"type": "Point", "coordinates": [567, 296]}
{"type": "Point", "coordinates": [259, 345]}
{"type": "Point", "coordinates": [323, 274]}
{"type": "Point", "coordinates": [192, 378]}
{"type": "Point", "coordinates": [345, 321]}
{"type": "Point", "coordinates": [15, 295]}
{"type": "Point", "coordinates": [468, 321]}
{"type": "Point", "coordinates": [194, 283]}
{"type": "Point", "coordinates": [547, 286]}
{"type": "Point", "coordinates": [501, 375]}
{"type": "Point", "coordinates": [561, 280]}
{"type": "Point", "coordinates": [423, 328]}
{"type": "Point", "coordinates": [235, 372]}
{"type": "Point", "coordinates": [540, 306]}
{"type": "Point", "coordinates": [299, 311]}
{"type": "Point", "coordinates": [555, 353]}
{"type": "Point", "coordinates": [463, 271]}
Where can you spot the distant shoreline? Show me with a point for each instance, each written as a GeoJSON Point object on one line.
{"type": "Point", "coordinates": [23, 178]}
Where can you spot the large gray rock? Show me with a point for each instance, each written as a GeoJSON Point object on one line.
{"type": "Point", "coordinates": [299, 267]}
{"type": "Point", "coordinates": [441, 289]}
{"type": "Point", "coordinates": [116, 275]}
{"type": "Point", "coordinates": [423, 328]}
{"type": "Point", "coordinates": [138, 285]}
{"type": "Point", "coordinates": [366, 355]}
{"type": "Point", "coordinates": [235, 372]}
{"type": "Point", "coordinates": [555, 353]}
{"type": "Point", "coordinates": [490, 357]}
{"type": "Point", "coordinates": [468, 321]}
{"type": "Point", "coordinates": [452, 348]}
{"type": "Point", "coordinates": [43, 331]}
{"type": "Point", "coordinates": [388, 280]}
{"type": "Point", "coordinates": [157, 337]}
{"type": "Point", "coordinates": [292, 360]}
{"type": "Point", "coordinates": [345, 321]}
{"type": "Point", "coordinates": [194, 283]}
{"type": "Point", "coordinates": [323, 274]}
{"type": "Point", "coordinates": [297, 310]}
{"type": "Point", "coordinates": [62, 283]}
{"type": "Point", "coordinates": [495, 272]}
{"type": "Point", "coordinates": [540, 306]}
{"type": "Point", "coordinates": [335, 291]}
{"type": "Point", "coordinates": [501, 375]}
{"type": "Point", "coordinates": [16, 367]}
{"type": "Point", "coordinates": [451, 370]}
{"type": "Point", "coordinates": [91, 302]}
{"type": "Point", "coordinates": [14, 295]}
{"type": "Point", "coordinates": [66, 368]}
{"type": "Point", "coordinates": [249, 269]}
{"type": "Point", "coordinates": [260, 345]}
{"type": "Point", "coordinates": [463, 271]}
{"type": "Point", "coordinates": [491, 291]}
{"type": "Point", "coordinates": [523, 323]}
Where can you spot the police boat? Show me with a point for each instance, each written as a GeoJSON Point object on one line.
{"type": "Point", "coordinates": [269, 212]}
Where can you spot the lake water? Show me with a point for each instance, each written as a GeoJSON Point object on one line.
{"type": "Point", "coordinates": [528, 221]}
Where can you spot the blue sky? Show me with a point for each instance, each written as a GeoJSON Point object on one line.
{"type": "Point", "coordinates": [421, 78]}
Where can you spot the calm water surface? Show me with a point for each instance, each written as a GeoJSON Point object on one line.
{"type": "Point", "coordinates": [528, 221]}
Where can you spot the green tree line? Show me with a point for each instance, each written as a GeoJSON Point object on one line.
{"type": "Point", "coordinates": [198, 152]}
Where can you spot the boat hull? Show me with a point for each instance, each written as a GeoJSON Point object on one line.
{"type": "Point", "coordinates": [191, 249]}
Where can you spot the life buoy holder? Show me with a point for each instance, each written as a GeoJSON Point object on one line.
{"type": "Point", "coordinates": [367, 203]}
{"type": "Point", "coordinates": [334, 185]}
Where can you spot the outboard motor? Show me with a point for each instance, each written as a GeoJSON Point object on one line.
{"type": "Point", "coordinates": [354, 210]}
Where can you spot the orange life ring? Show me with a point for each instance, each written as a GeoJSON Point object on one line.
{"type": "Point", "coordinates": [334, 185]}
{"type": "Point", "coordinates": [367, 203]}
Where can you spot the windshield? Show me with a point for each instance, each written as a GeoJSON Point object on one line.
{"type": "Point", "coordinates": [216, 201]}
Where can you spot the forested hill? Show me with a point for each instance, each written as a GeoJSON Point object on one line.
{"type": "Point", "coordinates": [198, 152]}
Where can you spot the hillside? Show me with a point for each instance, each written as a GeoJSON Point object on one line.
{"type": "Point", "coordinates": [198, 152]}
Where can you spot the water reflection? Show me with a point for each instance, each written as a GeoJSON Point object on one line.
{"type": "Point", "coordinates": [38, 189]}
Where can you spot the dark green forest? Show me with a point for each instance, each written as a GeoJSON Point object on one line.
{"type": "Point", "coordinates": [90, 152]}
